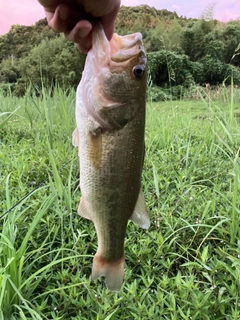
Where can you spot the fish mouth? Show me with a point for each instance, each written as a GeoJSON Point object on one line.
{"type": "Point", "coordinates": [125, 48]}
{"type": "Point", "coordinates": [120, 50]}
{"type": "Point", "coordinates": [111, 65]}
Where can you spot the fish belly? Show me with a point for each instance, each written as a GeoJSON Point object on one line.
{"type": "Point", "coordinates": [110, 182]}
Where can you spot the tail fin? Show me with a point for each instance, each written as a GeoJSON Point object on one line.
{"type": "Point", "coordinates": [111, 270]}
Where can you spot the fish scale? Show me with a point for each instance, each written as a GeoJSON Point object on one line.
{"type": "Point", "coordinates": [110, 117]}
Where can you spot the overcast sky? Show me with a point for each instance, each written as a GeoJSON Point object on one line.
{"type": "Point", "coordinates": [27, 12]}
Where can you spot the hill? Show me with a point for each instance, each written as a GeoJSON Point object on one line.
{"type": "Point", "coordinates": [181, 51]}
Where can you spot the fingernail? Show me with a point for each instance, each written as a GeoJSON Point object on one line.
{"type": "Point", "coordinates": [63, 14]}
{"type": "Point", "coordinates": [83, 32]}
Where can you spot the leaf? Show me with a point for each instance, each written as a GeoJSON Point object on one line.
{"type": "Point", "coordinates": [204, 255]}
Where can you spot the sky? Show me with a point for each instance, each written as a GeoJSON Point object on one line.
{"type": "Point", "coordinates": [27, 12]}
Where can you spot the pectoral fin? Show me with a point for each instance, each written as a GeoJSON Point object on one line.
{"type": "Point", "coordinates": [75, 138]}
{"type": "Point", "coordinates": [95, 148]}
{"type": "Point", "coordinates": [140, 215]}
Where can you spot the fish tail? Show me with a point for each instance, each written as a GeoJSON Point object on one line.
{"type": "Point", "coordinates": [111, 270]}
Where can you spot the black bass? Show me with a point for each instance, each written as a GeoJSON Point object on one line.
{"type": "Point", "coordinates": [110, 117]}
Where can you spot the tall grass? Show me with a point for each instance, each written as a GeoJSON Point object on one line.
{"type": "Point", "coordinates": [186, 266]}
{"type": "Point", "coordinates": [25, 262]}
{"type": "Point", "coordinates": [12, 259]}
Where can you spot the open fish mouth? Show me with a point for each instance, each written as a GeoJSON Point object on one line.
{"type": "Point", "coordinates": [124, 48]}
{"type": "Point", "coordinates": [120, 49]}
{"type": "Point", "coordinates": [108, 65]}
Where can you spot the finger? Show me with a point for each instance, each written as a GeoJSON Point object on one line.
{"type": "Point", "coordinates": [108, 27]}
{"type": "Point", "coordinates": [58, 20]}
{"type": "Point", "coordinates": [65, 17]}
{"type": "Point", "coordinates": [108, 21]}
{"type": "Point", "coordinates": [81, 31]}
{"type": "Point", "coordinates": [49, 15]}
{"type": "Point", "coordinates": [81, 35]}
{"type": "Point", "coordinates": [84, 47]}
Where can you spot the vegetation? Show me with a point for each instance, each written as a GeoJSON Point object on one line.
{"type": "Point", "coordinates": [181, 52]}
{"type": "Point", "coordinates": [186, 266]}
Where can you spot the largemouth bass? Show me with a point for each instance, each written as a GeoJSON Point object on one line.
{"type": "Point", "coordinates": [110, 117]}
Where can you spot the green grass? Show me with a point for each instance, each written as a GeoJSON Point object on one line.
{"type": "Point", "coordinates": [186, 266]}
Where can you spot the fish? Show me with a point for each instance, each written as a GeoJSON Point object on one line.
{"type": "Point", "coordinates": [110, 125]}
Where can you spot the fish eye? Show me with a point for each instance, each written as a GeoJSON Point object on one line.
{"type": "Point", "coordinates": [138, 71]}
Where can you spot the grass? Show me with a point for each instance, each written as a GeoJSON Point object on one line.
{"type": "Point", "coordinates": [186, 266]}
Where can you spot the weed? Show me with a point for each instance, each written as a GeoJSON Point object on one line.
{"type": "Point", "coordinates": [186, 266]}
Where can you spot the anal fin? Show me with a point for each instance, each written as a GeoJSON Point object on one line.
{"type": "Point", "coordinates": [82, 210]}
{"type": "Point", "coordinates": [140, 214]}
{"type": "Point", "coordinates": [111, 270]}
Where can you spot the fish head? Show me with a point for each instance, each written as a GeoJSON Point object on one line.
{"type": "Point", "coordinates": [113, 85]}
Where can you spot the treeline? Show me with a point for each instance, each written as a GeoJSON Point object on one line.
{"type": "Point", "coordinates": [181, 52]}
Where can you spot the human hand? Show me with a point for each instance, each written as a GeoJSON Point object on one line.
{"type": "Point", "coordinates": [73, 18]}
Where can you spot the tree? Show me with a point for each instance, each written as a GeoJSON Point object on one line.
{"type": "Point", "coordinates": [9, 72]}
{"type": "Point", "coordinates": [169, 68]}
{"type": "Point", "coordinates": [180, 50]}
{"type": "Point", "coordinates": [231, 38]}
{"type": "Point", "coordinates": [55, 61]}
{"type": "Point", "coordinates": [172, 36]}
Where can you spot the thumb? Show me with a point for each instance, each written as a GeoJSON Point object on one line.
{"type": "Point", "coordinates": [108, 23]}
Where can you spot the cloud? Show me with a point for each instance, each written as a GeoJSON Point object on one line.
{"type": "Point", "coordinates": [151, 3]}
{"type": "Point", "coordinates": [224, 10]}
{"type": "Point", "coordinates": [174, 6]}
{"type": "Point", "coordinates": [227, 10]}
{"type": "Point", "coordinates": [24, 12]}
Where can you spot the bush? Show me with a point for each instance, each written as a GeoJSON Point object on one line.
{"type": "Point", "coordinates": [6, 89]}
{"type": "Point", "coordinates": [156, 94]}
